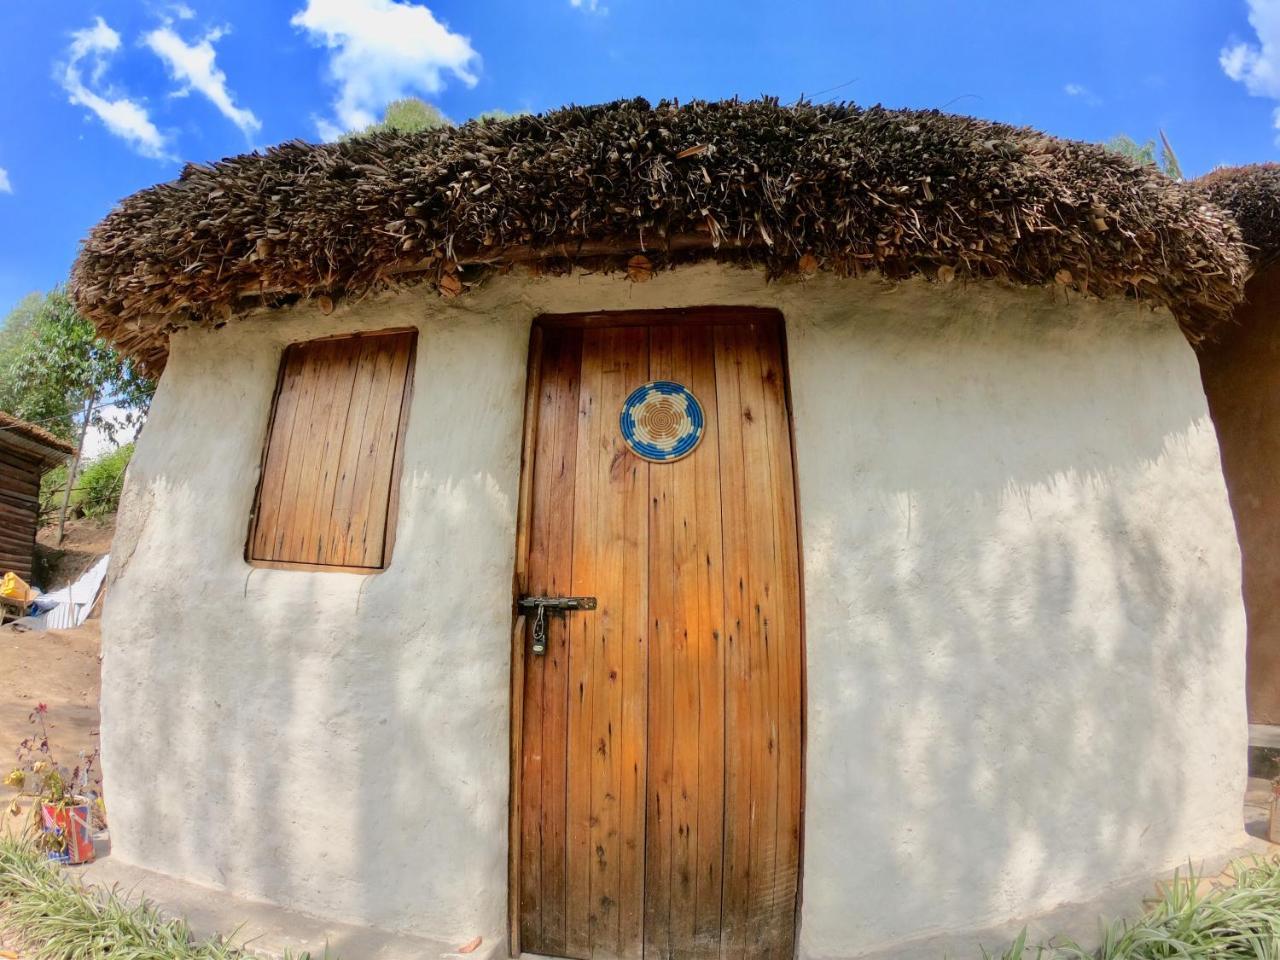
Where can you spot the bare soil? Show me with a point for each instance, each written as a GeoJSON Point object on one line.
{"type": "Point", "coordinates": [86, 539]}
{"type": "Point", "coordinates": [59, 668]}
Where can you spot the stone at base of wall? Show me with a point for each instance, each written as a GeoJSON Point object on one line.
{"type": "Point", "coordinates": [1080, 922]}
{"type": "Point", "coordinates": [268, 930]}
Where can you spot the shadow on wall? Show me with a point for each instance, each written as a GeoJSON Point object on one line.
{"type": "Point", "coordinates": [1242, 380]}
{"type": "Point", "coordinates": [348, 760]}
{"type": "Point", "coordinates": [1022, 654]}
{"type": "Point", "coordinates": [330, 742]}
{"type": "Point", "coordinates": [1024, 628]}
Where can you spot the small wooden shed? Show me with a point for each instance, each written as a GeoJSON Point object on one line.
{"type": "Point", "coordinates": [26, 453]}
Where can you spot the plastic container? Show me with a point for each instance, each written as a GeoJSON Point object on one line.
{"type": "Point", "coordinates": [15, 589]}
{"type": "Point", "coordinates": [73, 824]}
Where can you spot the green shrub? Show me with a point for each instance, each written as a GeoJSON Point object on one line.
{"type": "Point", "coordinates": [60, 920]}
{"type": "Point", "coordinates": [1241, 921]}
{"type": "Point", "coordinates": [97, 490]}
{"type": "Point", "coordinates": [51, 486]}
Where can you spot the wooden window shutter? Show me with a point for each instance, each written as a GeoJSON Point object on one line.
{"type": "Point", "coordinates": [330, 471]}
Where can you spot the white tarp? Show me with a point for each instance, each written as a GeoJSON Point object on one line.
{"type": "Point", "coordinates": [70, 606]}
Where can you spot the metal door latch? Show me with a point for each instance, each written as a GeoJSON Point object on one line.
{"type": "Point", "coordinates": [541, 605]}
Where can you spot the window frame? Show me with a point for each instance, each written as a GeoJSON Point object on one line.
{"type": "Point", "coordinates": [397, 460]}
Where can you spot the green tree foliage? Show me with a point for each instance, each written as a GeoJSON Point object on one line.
{"type": "Point", "coordinates": [97, 488]}
{"type": "Point", "coordinates": [52, 362]}
{"type": "Point", "coordinates": [1145, 153]}
{"type": "Point", "coordinates": [97, 492]}
{"type": "Point", "coordinates": [409, 115]}
{"type": "Point", "coordinates": [34, 400]}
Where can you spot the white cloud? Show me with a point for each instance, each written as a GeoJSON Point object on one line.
{"type": "Point", "coordinates": [127, 119]}
{"type": "Point", "coordinates": [1257, 65]}
{"type": "Point", "coordinates": [192, 65]}
{"type": "Point", "coordinates": [1081, 91]}
{"type": "Point", "coordinates": [327, 129]}
{"type": "Point", "coordinates": [592, 6]}
{"type": "Point", "coordinates": [381, 50]}
{"type": "Point", "coordinates": [5, 185]}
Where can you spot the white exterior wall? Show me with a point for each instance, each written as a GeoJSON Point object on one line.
{"type": "Point", "coordinates": [1025, 638]}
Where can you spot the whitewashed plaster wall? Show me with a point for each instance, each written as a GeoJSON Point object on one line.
{"type": "Point", "coordinates": [1025, 637]}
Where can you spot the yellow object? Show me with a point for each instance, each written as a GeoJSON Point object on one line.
{"type": "Point", "coordinates": [13, 587]}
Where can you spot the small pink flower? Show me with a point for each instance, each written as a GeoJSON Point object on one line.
{"type": "Point", "coordinates": [42, 708]}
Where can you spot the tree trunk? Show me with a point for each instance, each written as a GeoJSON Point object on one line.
{"type": "Point", "coordinates": [75, 464]}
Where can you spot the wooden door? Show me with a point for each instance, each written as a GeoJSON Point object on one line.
{"type": "Point", "coordinates": [658, 742]}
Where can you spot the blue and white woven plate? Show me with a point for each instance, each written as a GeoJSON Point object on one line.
{"type": "Point", "coordinates": [662, 421]}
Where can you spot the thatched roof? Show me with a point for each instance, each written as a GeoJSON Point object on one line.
{"type": "Point", "coordinates": [800, 188]}
{"type": "Point", "coordinates": [1251, 194]}
{"type": "Point", "coordinates": [33, 441]}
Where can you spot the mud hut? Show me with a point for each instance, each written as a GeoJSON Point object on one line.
{"type": "Point", "coordinates": [720, 526]}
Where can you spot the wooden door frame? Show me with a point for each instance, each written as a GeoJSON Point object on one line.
{"type": "Point", "coordinates": [520, 579]}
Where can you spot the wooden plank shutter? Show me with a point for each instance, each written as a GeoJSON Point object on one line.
{"type": "Point", "coordinates": [326, 497]}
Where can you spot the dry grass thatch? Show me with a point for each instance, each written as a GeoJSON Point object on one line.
{"type": "Point", "coordinates": [1251, 194]}
{"type": "Point", "coordinates": [795, 189]}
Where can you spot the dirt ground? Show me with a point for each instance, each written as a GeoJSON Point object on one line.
{"type": "Point", "coordinates": [59, 668]}
{"type": "Point", "coordinates": [85, 541]}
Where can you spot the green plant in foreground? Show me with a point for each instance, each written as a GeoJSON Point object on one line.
{"type": "Point", "coordinates": [58, 919]}
{"type": "Point", "coordinates": [97, 491]}
{"type": "Point", "coordinates": [1224, 923]}
{"type": "Point", "coordinates": [52, 790]}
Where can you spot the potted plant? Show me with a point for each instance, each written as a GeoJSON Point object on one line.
{"type": "Point", "coordinates": [65, 803]}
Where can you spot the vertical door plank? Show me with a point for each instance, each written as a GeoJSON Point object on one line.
{"type": "Point", "coordinates": [700, 747]}
{"type": "Point", "coordinates": [309, 364]}
{"type": "Point", "coordinates": [606, 679]}
{"type": "Point", "coordinates": [735, 911]}
{"type": "Point", "coordinates": [281, 429]}
{"type": "Point", "coordinates": [356, 523]}
{"type": "Point", "coordinates": [298, 439]}
{"type": "Point", "coordinates": [351, 455]}
{"type": "Point", "coordinates": [685, 355]}
{"type": "Point", "coordinates": [328, 358]}
{"type": "Point", "coordinates": [618, 723]}
{"type": "Point", "coordinates": [659, 838]}
{"type": "Point", "coordinates": [556, 696]}
{"type": "Point", "coordinates": [707, 553]}
{"type": "Point", "coordinates": [763, 681]}
{"type": "Point", "coordinates": [363, 488]}
{"type": "Point", "coordinates": [544, 771]}
{"type": "Point", "coordinates": [584, 632]}
{"type": "Point", "coordinates": [635, 655]}
{"type": "Point", "coordinates": [387, 432]}
{"type": "Point", "coordinates": [789, 645]}
{"type": "Point", "coordinates": [341, 383]}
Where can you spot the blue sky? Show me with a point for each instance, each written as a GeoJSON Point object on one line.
{"type": "Point", "coordinates": [105, 97]}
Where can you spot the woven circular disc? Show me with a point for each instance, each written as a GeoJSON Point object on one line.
{"type": "Point", "coordinates": [662, 421]}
